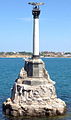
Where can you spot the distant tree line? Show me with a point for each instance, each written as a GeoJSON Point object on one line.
{"type": "Point", "coordinates": [66, 53]}
{"type": "Point", "coordinates": [14, 53]}
{"type": "Point", "coordinates": [43, 53]}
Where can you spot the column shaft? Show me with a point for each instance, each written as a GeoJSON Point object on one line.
{"type": "Point", "coordinates": [36, 37]}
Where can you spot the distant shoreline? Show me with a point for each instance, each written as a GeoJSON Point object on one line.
{"type": "Point", "coordinates": [14, 56]}
{"type": "Point", "coordinates": [29, 56]}
{"type": "Point", "coordinates": [44, 54]}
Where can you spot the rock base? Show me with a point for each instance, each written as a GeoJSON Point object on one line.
{"type": "Point", "coordinates": [52, 108]}
{"type": "Point", "coordinates": [33, 93]}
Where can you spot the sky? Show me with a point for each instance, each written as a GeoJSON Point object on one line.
{"type": "Point", "coordinates": [16, 25]}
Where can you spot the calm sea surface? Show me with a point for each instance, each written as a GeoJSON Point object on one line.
{"type": "Point", "coordinates": [59, 70]}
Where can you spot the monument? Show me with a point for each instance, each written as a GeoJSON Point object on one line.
{"type": "Point", "coordinates": [33, 93]}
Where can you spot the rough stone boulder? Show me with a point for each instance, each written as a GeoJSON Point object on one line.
{"type": "Point", "coordinates": [33, 93]}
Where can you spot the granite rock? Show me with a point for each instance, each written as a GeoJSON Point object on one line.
{"type": "Point", "coordinates": [34, 96]}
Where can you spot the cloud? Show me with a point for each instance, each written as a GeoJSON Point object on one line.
{"type": "Point", "coordinates": [25, 19]}
{"type": "Point", "coordinates": [28, 19]}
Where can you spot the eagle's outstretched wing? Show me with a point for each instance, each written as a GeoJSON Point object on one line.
{"type": "Point", "coordinates": [35, 4]}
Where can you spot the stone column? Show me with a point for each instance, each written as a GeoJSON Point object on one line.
{"type": "Point", "coordinates": [36, 13]}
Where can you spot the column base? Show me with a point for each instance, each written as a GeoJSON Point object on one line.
{"type": "Point", "coordinates": [35, 56]}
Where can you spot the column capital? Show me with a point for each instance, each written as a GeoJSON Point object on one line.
{"type": "Point", "coordinates": [36, 12]}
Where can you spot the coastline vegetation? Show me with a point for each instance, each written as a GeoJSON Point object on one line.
{"type": "Point", "coordinates": [29, 54]}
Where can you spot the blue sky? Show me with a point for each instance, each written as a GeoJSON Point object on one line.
{"type": "Point", "coordinates": [16, 25]}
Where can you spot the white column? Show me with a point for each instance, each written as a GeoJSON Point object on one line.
{"type": "Point", "coordinates": [36, 37]}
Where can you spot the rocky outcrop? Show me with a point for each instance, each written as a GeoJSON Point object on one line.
{"type": "Point", "coordinates": [34, 96]}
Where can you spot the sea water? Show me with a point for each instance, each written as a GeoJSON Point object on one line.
{"type": "Point", "coordinates": [59, 70]}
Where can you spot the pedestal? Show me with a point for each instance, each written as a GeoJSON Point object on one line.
{"type": "Point", "coordinates": [34, 93]}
